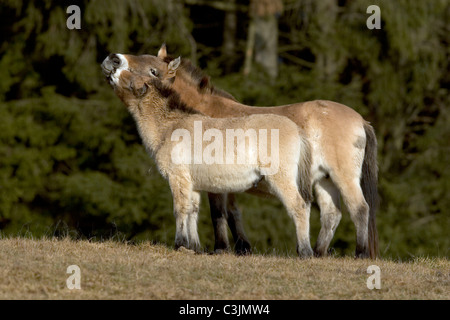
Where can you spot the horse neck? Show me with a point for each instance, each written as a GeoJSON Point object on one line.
{"type": "Point", "coordinates": [206, 102]}
{"type": "Point", "coordinates": [153, 118]}
{"type": "Point", "coordinates": [189, 93]}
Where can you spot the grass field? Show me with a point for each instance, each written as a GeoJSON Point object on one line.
{"type": "Point", "coordinates": [37, 269]}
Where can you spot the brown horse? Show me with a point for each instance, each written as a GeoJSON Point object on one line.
{"type": "Point", "coordinates": [344, 149]}
{"type": "Point", "coordinates": [162, 119]}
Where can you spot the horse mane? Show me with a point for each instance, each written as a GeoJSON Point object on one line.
{"type": "Point", "coordinates": [174, 102]}
{"type": "Point", "coordinates": [199, 78]}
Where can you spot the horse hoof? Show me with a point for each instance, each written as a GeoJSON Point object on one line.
{"type": "Point", "coordinates": [319, 253]}
{"type": "Point", "coordinates": [197, 249]}
{"type": "Point", "coordinates": [362, 253]}
{"type": "Point", "coordinates": [181, 243]}
{"type": "Point", "coordinates": [305, 253]}
{"type": "Point", "coordinates": [243, 247]}
{"type": "Point", "coordinates": [221, 251]}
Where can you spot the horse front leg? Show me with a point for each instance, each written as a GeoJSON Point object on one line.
{"type": "Point", "coordinates": [194, 240]}
{"type": "Point", "coordinates": [218, 209]}
{"type": "Point", "coordinates": [234, 215]}
{"type": "Point", "coordinates": [181, 233]}
{"type": "Point", "coordinates": [297, 208]}
{"type": "Point", "coordinates": [182, 209]}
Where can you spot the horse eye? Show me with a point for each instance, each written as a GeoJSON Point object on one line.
{"type": "Point", "coordinates": [154, 72]}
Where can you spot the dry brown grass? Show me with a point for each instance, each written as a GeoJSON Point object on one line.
{"type": "Point", "coordinates": [36, 269]}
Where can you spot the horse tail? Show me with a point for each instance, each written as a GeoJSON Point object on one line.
{"type": "Point", "coordinates": [304, 169]}
{"type": "Point", "coordinates": [369, 182]}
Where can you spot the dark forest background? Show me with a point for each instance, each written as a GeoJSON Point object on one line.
{"type": "Point", "coordinates": [72, 163]}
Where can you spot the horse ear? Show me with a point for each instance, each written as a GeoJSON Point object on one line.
{"type": "Point", "coordinates": [173, 66]}
{"type": "Point", "coordinates": [162, 53]}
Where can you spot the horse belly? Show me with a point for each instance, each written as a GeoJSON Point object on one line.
{"type": "Point", "coordinates": [223, 178]}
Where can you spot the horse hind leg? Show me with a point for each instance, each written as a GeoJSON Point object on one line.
{"type": "Point", "coordinates": [327, 196]}
{"type": "Point", "coordinates": [359, 212]}
{"type": "Point", "coordinates": [346, 172]}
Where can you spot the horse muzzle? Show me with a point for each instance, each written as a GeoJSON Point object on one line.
{"type": "Point", "coordinates": [111, 64]}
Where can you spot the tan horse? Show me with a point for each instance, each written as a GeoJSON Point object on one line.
{"type": "Point", "coordinates": [344, 149]}
{"type": "Point", "coordinates": [190, 167]}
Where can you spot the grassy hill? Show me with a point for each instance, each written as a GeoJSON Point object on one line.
{"type": "Point", "coordinates": [37, 269]}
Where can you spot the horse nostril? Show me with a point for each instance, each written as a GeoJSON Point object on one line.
{"type": "Point", "coordinates": [115, 60]}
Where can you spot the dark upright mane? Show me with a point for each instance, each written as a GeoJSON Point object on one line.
{"type": "Point", "coordinates": [200, 79]}
{"type": "Point", "coordinates": [174, 102]}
